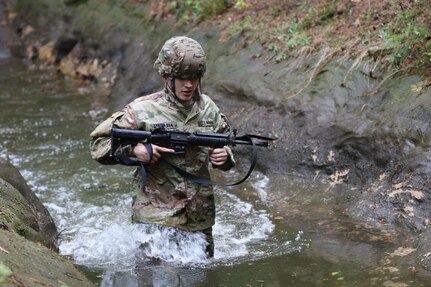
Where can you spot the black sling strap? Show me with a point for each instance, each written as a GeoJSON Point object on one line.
{"type": "Point", "coordinates": [203, 180]}
{"type": "Point", "coordinates": [123, 158]}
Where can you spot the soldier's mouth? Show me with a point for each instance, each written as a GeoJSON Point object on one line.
{"type": "Point", "coordinates": [187, 93]}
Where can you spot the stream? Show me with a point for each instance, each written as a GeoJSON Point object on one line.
{"type": "Point", "coordinates": [45, 122]}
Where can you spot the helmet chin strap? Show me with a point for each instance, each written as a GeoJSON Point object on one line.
{"type": "Point", "coordinates": [172, 85]}
{"type": "Point", "coordinates": [200, 86]}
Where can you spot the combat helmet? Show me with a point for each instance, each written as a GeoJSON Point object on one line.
{"type": "Point", "coordinates": [181, 57]}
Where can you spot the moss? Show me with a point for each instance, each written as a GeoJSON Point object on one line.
{"type": "Point", "coordinates": [5, 272]}
{"type": "Point", "coordinates": [23, 262]}
{"type": "Point", "coordinates": [15, 210]}
{"type": "Point", "coordinates": [16, 216]}
{"type": "Point", "coordinates": [19, 227]}
{"type": "Point", "coordinates": [35, 265]}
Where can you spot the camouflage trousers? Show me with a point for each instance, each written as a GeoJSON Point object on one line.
{"type": "Point", "coordinates": [210, 241]}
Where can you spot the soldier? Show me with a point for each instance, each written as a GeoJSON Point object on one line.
{"type": "Point", "coordinates": [168, 198]}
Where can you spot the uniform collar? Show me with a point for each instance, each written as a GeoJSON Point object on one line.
{"type": "Point", "coordinates": [188, 111]}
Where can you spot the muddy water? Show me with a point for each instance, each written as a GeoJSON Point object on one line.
{"type": "Point", "coordinates": [270, 231]}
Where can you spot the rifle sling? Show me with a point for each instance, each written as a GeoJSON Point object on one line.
{"type": "Point", "coordinates": [126, 160]}
{"type": "Point", "coordinates": [204, 180]}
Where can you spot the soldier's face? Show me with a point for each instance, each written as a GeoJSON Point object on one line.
{"type": "Point", "coordinates": [185, 89]}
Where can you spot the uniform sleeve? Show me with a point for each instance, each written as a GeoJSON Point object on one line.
{"type": "Point", "coordinates": [223, 126]}
{"type": "Point", "coordinates": [100, 142]}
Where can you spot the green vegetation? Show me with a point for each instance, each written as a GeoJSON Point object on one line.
{"type": "Point", "coordinates": [396, 33]}
{"type": "Point", "coordinates": [318, 16]}
{"type": "Point", "coordinates": [196, 11]}
{"type": "Point", "coordinates": [20, 228]}
{"type": "Point", "coordinates": [5, 272]}
{"type": "Point", "coordinates": [284, 38]}
{"type": "Point", "coordinates": [406, 37]}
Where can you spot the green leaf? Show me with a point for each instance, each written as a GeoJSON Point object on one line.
{"type": "Point", "coordinates": [4, 273]}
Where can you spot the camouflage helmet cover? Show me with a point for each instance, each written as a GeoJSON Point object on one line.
{"type": "Point", "coordinates": [181, 57]}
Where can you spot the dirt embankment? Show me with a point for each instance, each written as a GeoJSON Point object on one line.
{"type": "Point", "coordinates": [342, 122]}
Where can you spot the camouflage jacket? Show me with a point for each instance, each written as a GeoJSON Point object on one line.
{"type": "Point", "coordinates": [169, 198]}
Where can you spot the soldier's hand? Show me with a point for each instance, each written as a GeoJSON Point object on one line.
{"type": "Point", "coordinates": [142, 153]}
{"type": "Point", "coordinates": [218, 156]}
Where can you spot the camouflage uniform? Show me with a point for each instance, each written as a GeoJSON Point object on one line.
{"type": "Point", "coordinates": [168, 198]}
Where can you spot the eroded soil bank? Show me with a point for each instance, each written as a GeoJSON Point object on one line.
{"type": "Point", "coordinates": [343, 123]}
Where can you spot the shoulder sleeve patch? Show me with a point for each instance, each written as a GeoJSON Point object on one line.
{"type": "Point", "coordinates": [104, 129]}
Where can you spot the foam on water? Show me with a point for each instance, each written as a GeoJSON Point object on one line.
{"type": "Point", "coordinates": [117, 245]}
{"type": "Point", "coordinates": [100, 235]}
{"type": "Point", "coordinates": [124, 246]}
{"type": "Point", "coordinates": [260, 184]}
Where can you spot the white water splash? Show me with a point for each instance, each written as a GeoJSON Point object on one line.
{"type": "Point", "coordinates": [260, 184]}
{"type": "Point", "coordinates": [123, 246]}
{"type": "Point", "coordinates": [99, 234]}
{"type": "Point", "coordinates": [238, 227]}
{"type": "Point", "coordinates": [100, 237]}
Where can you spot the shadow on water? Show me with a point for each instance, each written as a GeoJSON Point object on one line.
{"type": "Point", "coordinates": [270, 231]}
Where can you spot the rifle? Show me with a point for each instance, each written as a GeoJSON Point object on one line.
{"type": "Point", "coordinates": [178, 140]}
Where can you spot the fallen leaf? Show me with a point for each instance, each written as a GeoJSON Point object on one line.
{"type": "Point", "coordinates": [402, 251]}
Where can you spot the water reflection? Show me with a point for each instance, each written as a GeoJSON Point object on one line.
{"type": "Point", "coordinates": [160, 276]}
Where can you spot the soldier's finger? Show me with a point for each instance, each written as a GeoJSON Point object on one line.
{"type": "Point", "coordinates": [219, 151]}
{"type": "Point", "coordinates": [163, 149]}
{"type": "Point", "coordinates": [218, 162]}
{"type": "Point", "coordinates": [217, 156]}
